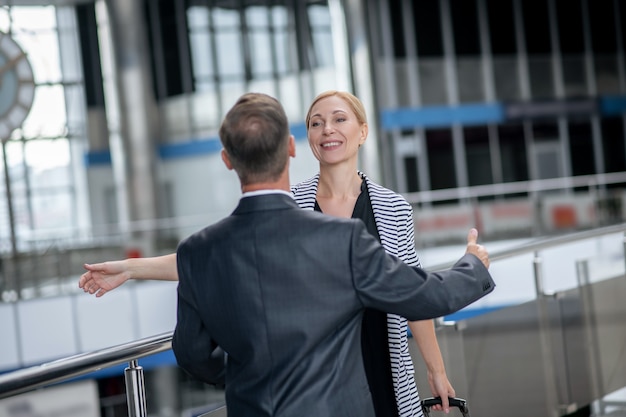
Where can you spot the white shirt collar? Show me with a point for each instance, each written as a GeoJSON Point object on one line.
{"type": "Point", "coordinates": [265, 192]}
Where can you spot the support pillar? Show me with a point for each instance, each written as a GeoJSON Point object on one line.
{"type": "Point", "coordinates": [134, 139]}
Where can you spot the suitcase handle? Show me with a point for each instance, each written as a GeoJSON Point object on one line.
{"type": "Point", "coordinates": [460, 403]}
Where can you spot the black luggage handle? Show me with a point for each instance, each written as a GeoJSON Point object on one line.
{"type": "Point", "coordinates": [460, 403]}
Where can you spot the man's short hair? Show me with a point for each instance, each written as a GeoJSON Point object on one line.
{"type": "Point", "coordinates": [255, 135]}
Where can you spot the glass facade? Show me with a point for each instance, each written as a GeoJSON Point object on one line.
{"type": "Point", "coordinates": [499, 91]}
{"type": "Point", "coordinates": [41, 189]}
{"type": "Point", "coordinates": [546, 67]}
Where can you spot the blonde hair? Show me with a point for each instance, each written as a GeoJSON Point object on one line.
{"type": "Point", "coordinates": [353, 102]}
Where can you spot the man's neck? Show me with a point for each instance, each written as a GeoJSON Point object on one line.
{"type": "Point", "coordinates": [280, 184]}
{"type": "Point", "coordinates": [263, 186]}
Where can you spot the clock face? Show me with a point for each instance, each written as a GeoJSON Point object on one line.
{"type": "Point", "coordinates": [17, 86]}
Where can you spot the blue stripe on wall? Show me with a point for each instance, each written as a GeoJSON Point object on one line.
{"type": "Point", "coordinates": [401, 118]}
{"type": "Point", "coordinates": [184, 149]}
{"type": "Point", "coordinates": [299, 131]}
{"type": "Point", "coordinates": [192, 148]}
{"type": "Point", "coordinates": [613, 105]}
{"type": "Point", "coordinates": [98, 158]}
{"type": "Point", "coordinates": [440, 116]}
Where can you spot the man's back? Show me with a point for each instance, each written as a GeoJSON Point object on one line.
{"type": "Point", "coordinates": [282, 291]}
{"type": "Point", "coordinates": [276, 295]}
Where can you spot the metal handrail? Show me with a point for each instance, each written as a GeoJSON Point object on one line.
{"type": "Point", "coordinates": [28, 379]}
{"type": "Point", "coordinates": [536, 245]}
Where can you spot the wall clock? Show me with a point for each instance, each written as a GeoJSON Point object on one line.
{"type": "Point", "coordinates": [17, 86]}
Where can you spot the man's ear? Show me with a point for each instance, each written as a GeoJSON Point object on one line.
{"type": "Point", "coordinates": [292, 146]}
{"type": "Point", "coordinates": [226, 160]}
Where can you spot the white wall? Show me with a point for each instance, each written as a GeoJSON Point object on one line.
{"type": "Point", "coordinates": [45, 329]}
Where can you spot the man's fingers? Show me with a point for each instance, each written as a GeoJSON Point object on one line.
{"type": "Point", "coordinates": [472, 236]}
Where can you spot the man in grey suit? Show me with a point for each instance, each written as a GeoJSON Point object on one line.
{"type": "Point", "coordinates": [282, 290]}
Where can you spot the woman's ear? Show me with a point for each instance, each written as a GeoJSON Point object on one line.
{"type": "Point", "coordinates": [364, 132]}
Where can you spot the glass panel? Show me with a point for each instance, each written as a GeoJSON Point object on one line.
{"type": "Point", "coordinates": [465, 27]}
{"type": "Point", "coordinates": [261, 59]}
{"type": "Point", "coordinates": [547, 150]}
{"type": "Point", "coordinates": [602, 22]}
{"type": "Point", "coordinates": [261, 51]}
{"type": "Point", "coordinates": [205, 111]}
{"type": "Point", "coordinates": [19, 189]}
{"type": "Point", "coordinates": [506, 77]}
{"type": "Point", "coordinates": [201, 54]}
{"type": "Point", "coordinates": [613, 144]}
{"type": "Point", "coordinates": [229, 54]}
{"type": "Point", "coordinates": [42, 171]}
{"type": "Point", "coordinates": [427, 19]}
{"type": "Point", "coordinates": [5, 20]}
{"type": "Point", "coordinates": [257, 17]}
{"type": "Point", "coordinates": [470, 80]}
{"type": "Point", "coordinates": [411, 173]}
{"type": "Point", "coordinates": [225, 18]}
{"type": "Point", "coordinates": [231, 90]}
{"type": "Point", "coordinates": [541, 81]}
{"type": "Point", "coordinates": [581, 148]}
{"type": "Point", "coordinates": [319, 18]}
{"type": "Point", "coordinates": [283, 49]}
{"type": "Point", "coordinates": [45, 61]}
{"type": "Point", "coordinates": [279, 17]}
{"type": "Point", "coordinates": [48, 162]}
{"type": "Point", "coordinates": [198, 17]}
{"type": "Point", "coordinates": [440, 159]}
{"type": "Point", "coordinates": [574, 75]}
{"type": "Point", "coordinates": [47, 116]}
{"type": "Point", "coordinates": [570, 24]}
{"type": "Point", "coordinates": [536, 27]}
{"type": "Point", "coordinates": [53, 211]}
{"type": "Point", "coordinates": [397, 30]}
{"type": "Point", "coordinates": [546, 131]}
{"type": "Point", "coordinates": [548, 161]}
{"type": "Point", "coordinates": [200, 45]}
{"type": "Point", "coordinates": [432, 81]}
{"type": "Point", "coordinates": [513, 153]}
{"type": "Point", "coordinates": [501, 27]}
{"type": "Point", "coordinates": [607, 78]}
{"type": "Point", "coordinates": [403, 94]}
{"type": "Point", "coordinates": [34, 18]}
{"type": "Point", "coordinates": [478, 155]}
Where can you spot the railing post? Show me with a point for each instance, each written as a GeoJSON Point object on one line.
{"type": "Point", "coordinates": [135, 390]}
{"type": "Point", "coordinates": [624, 245]}
{"type": "Point", "coordinates": [590, 325]}
{"type": "Point", "coordinates": [544, 337]}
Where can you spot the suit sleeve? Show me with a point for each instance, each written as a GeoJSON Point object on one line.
{"type": "Point", "coordinates": [384, 282]}
{"type": "Point", "coordinates": [196, 352]}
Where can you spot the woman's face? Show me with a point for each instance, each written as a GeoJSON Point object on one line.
{"type": "Point", "coordinates": [334, 132]}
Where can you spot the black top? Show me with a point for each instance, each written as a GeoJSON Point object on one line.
{"type": "Point", "coordinates": [374, 339]}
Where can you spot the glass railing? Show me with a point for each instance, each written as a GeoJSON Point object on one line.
{"type": "Point", "coordinates": [31, 378]}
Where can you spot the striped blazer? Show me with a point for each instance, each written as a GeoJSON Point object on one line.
{"type": "Point", "coordinates": [394, 220]}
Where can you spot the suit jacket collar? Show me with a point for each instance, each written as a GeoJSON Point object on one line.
{"type": "Point", "coordinates": [275, 201]}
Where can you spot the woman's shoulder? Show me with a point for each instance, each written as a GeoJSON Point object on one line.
{"type": "Point", "coordinates": [306, 185]}
{"type": "Point", "coordinates": [304, 192]}
{"type": "Point", "coordinates": [383, 194]}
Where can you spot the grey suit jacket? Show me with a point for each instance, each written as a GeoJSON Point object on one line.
{"type": "Point", "coordinates": [282, 291]}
